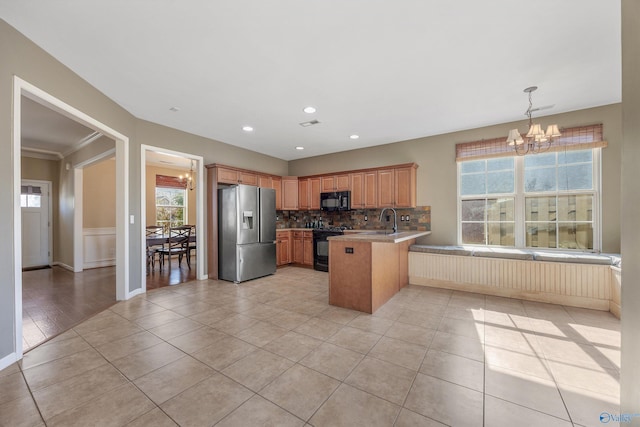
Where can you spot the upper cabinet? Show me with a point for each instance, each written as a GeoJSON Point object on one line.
{"type": "Point", "coordinates": [339, 182]}
{"type": "Point", "coordinates": [386, 196]}
{"type": "Point", "coordinates": [304, 194]}
{"type": "Point", "coordinates": [236, 176]}
{"type": "Point", "coordinates": [397, 187]}
{"type": "Point", "coordinates": [314, 193]}
{"type": "Point", "coordinates": [264, 181]}
{"type": "Point", "coordinates": [276, 184]}
{"type": "Point", "coordinates": [289, 193]}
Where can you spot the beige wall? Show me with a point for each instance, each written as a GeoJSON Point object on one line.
{"type": "Point", "coordinates": [630, 370]}
{"type": "Point", "coordinates": [99, 195]}
{"type": "Point", "coordinates": [46, 170]}
{"type": "Point", "coordinates": [150, 194]}
{"type": "Point", "coordinates": [437, 186]}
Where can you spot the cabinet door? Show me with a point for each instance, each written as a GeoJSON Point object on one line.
{"type": "Point", "coordinates": [308, 248]}
{"type": "Point", "coordinates": [276, 184]}
{"type": "Point", "coordinates": [303, 193]}
{"type": "Point", "coordinates": [264, 181]}
{"type": "Point", "coordinates": [405, 187]}
{"type": "Point", "coordinates": [357, 190]}
{"type": "Point", "coordinates": [386, 188]}
{"type": "Point", "coordinates": [248, 178]}
{"type": "Point", "coordinates": [314, 194]}
{"type": "Point", "coordinates": [227, 176]}
{"type": "Point", "coordinates": [298, 250]}
{"type": "Point", "coordinates": [342, 182]}
{"type": "Point", "coordinates": [370, 189]}
{"type": "Point", "coordinates": [282, 248]}
{"type": "Point", "coordinates": [327, 183]}
{"type": "Point", "coordinates": [290, 193]}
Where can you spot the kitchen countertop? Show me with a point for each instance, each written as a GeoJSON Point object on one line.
{"type": "Point", "coordinates": [379, 236]}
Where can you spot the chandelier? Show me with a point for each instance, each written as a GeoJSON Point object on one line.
{"type": "Point", "coordinates": [536, 140]}
{"type": "Point", "coordinates": [188, 178]}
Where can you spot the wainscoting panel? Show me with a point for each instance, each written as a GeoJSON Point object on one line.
{"type": "Point", "coordinates": [578, 285]}
{"type": "Point", "coordinates": [99, 247]}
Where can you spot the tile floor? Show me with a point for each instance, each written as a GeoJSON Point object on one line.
{"type": "Point", "coordinates": [272, 352]}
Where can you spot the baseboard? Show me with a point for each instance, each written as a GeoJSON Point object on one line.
{"type": "Point", "coordinates": [65, 266]}
{"type": "Point", "coordinates": [134, 293]}
{"type": "Point", "coordinates": [100, 263]}
{"type": "Point", "coordinates": [8, 361]}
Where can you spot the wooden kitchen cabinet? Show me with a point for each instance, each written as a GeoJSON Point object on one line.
{"type": "Point", "coordinates": [290, 193]}
{"type": "Point", "coordinates": [283, 247]}
{"type": "Point", "coordinates": [264, 181]}
{"type": "Point", "coordinates": [405, 187]}
{"type": "Point", "coordinates": [302, 244]}
{"type": "Point", "coordinates": [357, 190]}
{"type": "Point", "coordinates": [335, 183]}
{"type": "Point", "coordinates": [314, 194]}
{"type": "Point", "coordinates": [233, 176]}
{"type": "Point", "coordinates": [276, 184]}
{"type": "Point", "coordinates": [303, 193]}
{"type": "Point", "coordinates": [370, 191]}
{"type": "Point", "coordinates": [386, 188]}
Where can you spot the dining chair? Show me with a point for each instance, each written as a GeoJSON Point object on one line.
{"type": "Point", "coordinates": [177, 244]}
{"type": "Point", "coordinates": [153, 231]}
{"type": "Point", "coordinates": [192, 243]}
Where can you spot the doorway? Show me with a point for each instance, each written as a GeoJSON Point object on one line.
{"type": "Point", "coordinates": [121, 270]}
{"type": "Point", "coordinates": [37, 236]}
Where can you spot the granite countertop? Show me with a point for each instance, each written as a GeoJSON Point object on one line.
{"type": "Point", "coordinates": [380, 236]}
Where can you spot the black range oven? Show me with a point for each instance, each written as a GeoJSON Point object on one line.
{"type": "Point", "coordinates": [321, 246]}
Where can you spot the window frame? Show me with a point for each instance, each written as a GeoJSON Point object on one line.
{"type": "Point", "coordinates": [184, 205]}
{"type": "Point", "coordinates": [519, 203]}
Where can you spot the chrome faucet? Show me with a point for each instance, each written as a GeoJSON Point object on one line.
{"type": "Point", "coordinates": [395, 218]}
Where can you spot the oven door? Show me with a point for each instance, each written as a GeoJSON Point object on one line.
{"type": "Point", "coordinates": [320, 252]}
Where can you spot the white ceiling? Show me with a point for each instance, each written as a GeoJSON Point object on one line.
{"type": "Point", "coordinates": [385, 70]}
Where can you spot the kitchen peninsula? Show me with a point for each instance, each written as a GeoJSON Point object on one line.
{"type": "Point", "coordinates": [367, 269]}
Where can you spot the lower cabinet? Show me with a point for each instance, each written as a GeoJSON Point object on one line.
{"type": "Point", "coordinates": [283, 247]}
{"type": "Point", "coordinates": [302, 247]}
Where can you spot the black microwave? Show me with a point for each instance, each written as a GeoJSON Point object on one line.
{"type": "Point", "coordinates": [335, 201]}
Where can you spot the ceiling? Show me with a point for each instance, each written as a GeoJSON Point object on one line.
{"type": "Point", "coordinates": [384, 70]}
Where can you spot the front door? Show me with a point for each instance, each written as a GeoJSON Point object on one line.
{"type": "Point", "coordinates": [36, 224]}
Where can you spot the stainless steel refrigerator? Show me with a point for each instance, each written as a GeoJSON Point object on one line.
{"type": "Point", "coordinates": [247, 232]}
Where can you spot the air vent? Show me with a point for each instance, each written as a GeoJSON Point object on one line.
{"type": "Point", "coordinates": [310, 123]}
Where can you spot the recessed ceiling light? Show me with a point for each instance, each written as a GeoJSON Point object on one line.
{"type": "Point", "coordinates": [299, 148]}
{"type": "Point", "coordinates": [354, 136]}
{"type": "Point", "coordinates": [309, 110]}
{"type": "Point", "coordinates": [247, 128]}
{"type": "Point", "coordinates": [174, 109]}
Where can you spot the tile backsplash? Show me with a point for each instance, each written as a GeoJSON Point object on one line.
{"type": "Point", "coordinates": [419, 218]}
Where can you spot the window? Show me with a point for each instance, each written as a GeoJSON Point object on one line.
{"type": "Point", "coordinates": [170, 207]}
{"type": "Point", "coordinates": [30, 196]}
{"type": "Point", "coordinates": [547, 200]}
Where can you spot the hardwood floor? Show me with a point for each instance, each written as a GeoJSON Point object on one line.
{"type": "Point", "coordinates": [55, 299]}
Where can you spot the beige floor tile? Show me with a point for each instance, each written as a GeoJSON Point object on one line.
{"type": "Point", "coordinates": [463, 313]}
{"type": "Point", "coordinates": [409, 418]}
{"type": "Point", "coordinates": [58, 370]}
{"type": "Point", "coordinates": [355, 339]}
{"type": "Point", "coordinates": [52, 351]}
{"type": "Point", "coordinates": [318, 328]}
{"type": "Point", "coordinates": [338, 315]}
{"type": "Point", "coordinates": [329, 359]}
{"type": "Point", "coordinates": [260, 412]}
{"type": "Point", "coordinates": [212, 316]}
{"type": "Point", "coordinates": [10, 370]}
{"type": "Point", "coordinates": [157, 319]}
{"type": "Point", "coordinates": [257, 369]}
{"type": "Point", "coordinates": [261, 312]}
{"type": "Point", "coordinates": [525, 390]}
{"type": "Point", "coordinates": [116, 407]}
{"type": "Point", "coordinates": [389, 311]}
{"type": "Point", "coordinates": [515, 339]}
{"type": "Point", "coordinates": [613, 355]}
{"type": "Point", "coordinates": [240, 305]}
{"type": "Point", "coordinates": [224, 352]}
{"type": "Point", "coordinates": [385, 380]}
{"type": "Point", "coordinates": [135, 308]}
{"type": "Point", "coordinates": [300, 390]}
{"type": "Point", "coordinates": [411, 333]}
{"type": "Point", "coordinates": [260, 334]}
{"type": "Point", "coordinates": [461, 346]}
{"type": "Point", "coordinates": [110, 334]}
{"type": "Point", "coordinates": [104, 320]}
{"type": "Point", "coordinates": [13, 387]}
{"type": "Point", "coordinates": [466, 328]}
{"type": "Point", "coordinates": [288, 319]}
{"type": "Point", "coordinates": [207, 402]}
{"type": "Point", "coordinates": [196, 340]}
{"type": "Point", "coordinates": [445, 402]}
{"type": "Point", "coordinates": [77, 390]}
{"type": "Point", "coordinates": [595, 380]}
{"type": "Point", "coordinates": [153, 418]}
{"type": "Point", "coordinates": [141, 363]}
{"type": "Point", "coordinates": [604, 335]}
{"type": "Point", "coordinates": [20, 413]}
{"type": "Point", "coordinates": [507, 319]}
{"type": "Point", "coordinates": [174, 329]}
{"type": "Point", "coordinates": [417, 318]}
{"type": "Point", "coordinates": [517, 360]}
{"type": "Point", "coordinates": [585, 355]}
{"type": "Point", "coordinates": [128, 345]}
{"type": "Point", "coordinates": [467, 300]}
{"type": "Point", "coordinates": [369, 323]}
{"type": "Point", "coordinates": [500, 413]}
{"type": "Point", "coordinates": [192, 309]}
{"type": "Point", "coordinates": [399, 352]}
{"type": "Point", "coordinates": [349, 406]}
{"type": "Point", "coordinates": [456, 369]}
{"type": "Point", "coordinates": [234, 324]}
{"type": "Point", "coordinates": [586, 407]}
{"type": "Point", "coordinates": [172, 379]}
{"type": "Point", "coordinates": [293, 346]}
{"type": "Point", "coordinates": [174, 301]}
